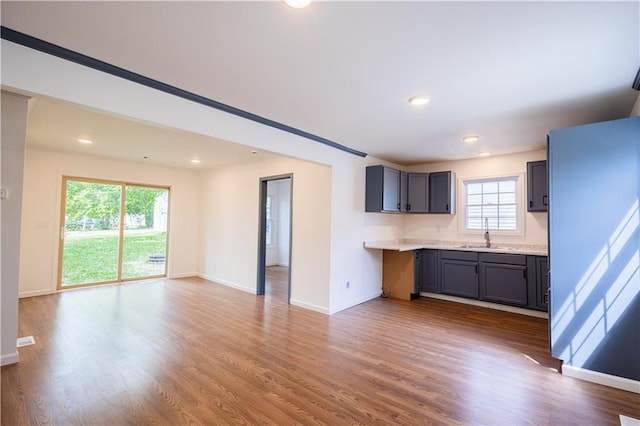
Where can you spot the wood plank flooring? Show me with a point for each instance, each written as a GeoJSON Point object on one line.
{"type": "Point", "coordinates": [189, 351]}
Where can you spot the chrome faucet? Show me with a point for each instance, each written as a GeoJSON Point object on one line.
{"type": "Point", "coordinates": [486, 232]}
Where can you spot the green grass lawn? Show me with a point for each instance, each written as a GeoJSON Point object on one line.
{"type": "Point", "coordinates": [93, 256]}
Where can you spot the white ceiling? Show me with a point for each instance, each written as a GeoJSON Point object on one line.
{"type": "Point", "coordinates": [58, 125]}
{"type": "Point", "coordinates": [508, 71]}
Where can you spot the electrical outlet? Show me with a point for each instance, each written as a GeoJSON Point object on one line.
{"type": "Point", "coordinates": [348, 284]}
{"type": "Point", "coordinates": [3, 193]}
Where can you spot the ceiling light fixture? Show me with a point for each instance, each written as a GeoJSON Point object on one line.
{"type": "Point", "coordinates": [254, 151]}
{"type": "Point", "coordinates": [195, 161]}
{"type": "Point", "coordinates": [85, 141]}
{"type": "Point", "coordinates": [418, 100]}
{"type": "Point", "coordinates": [484, 154]}
{"type": "Point", "coordinates": [297, 4]}
{"type": "Point", "coordinates": [471, 138]}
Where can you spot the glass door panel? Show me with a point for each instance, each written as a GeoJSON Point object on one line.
{"type": "Point", "coordinates": [90, 233]}
{"type": "Point", "coordinates": [144, 246]}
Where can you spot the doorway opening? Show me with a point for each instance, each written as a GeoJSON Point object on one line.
{"type": "Point", "coordinates": [111, 232]}
{"type": "Point", "coordinates": [274, 237]}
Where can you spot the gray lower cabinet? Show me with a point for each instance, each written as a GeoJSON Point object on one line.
{"type": "Point", "coordinates": [459, 273]}
{"type": "Point", "coordinates": [504, 283]}
{"type": "Point", "coordinates": [542, 283]}
{"type": "Point", "coordinates": [426, 271]}
{"type": "Point", "coordinates": [503, 278]}
{"type": "Point", "coordinates": [510, 279]}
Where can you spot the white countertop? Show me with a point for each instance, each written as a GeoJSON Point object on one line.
{"type": "Point", "coordinates": [409, 245]}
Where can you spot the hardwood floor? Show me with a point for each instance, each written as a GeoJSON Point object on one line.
{"type": "Point", "coordinates": [192, 352]}
{"type": "Point", "coordinates": [277, 282]}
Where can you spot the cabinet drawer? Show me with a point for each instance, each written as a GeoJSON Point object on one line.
{"type": "Point", "coordinates": [459, 255]}
{"type": "Point", "coordinates": [509, 259]}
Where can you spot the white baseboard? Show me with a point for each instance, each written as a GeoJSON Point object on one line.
{"type": "Point", "coordinates": [182, 275]}
{"type": "Point", "coordinates": [357, 302]}
{"type": "Point", "coordinates": [628, 421]}
{"type": "Point", "coordinates": [496, 306]}
{"type": "Point", "coordinates": [227, 283]}
{"type": "Point", "coordinates": [9, 358]}
{"type": "Point", "coordinates": [601, 378]}
{"type": "Point", "coordinates": [310, 306]}
{"type": "Point", "coordinates": [34, 293]}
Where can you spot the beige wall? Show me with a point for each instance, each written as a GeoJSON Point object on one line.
{"type": "Point", "coordinates": [229, 227]}
{"type": "Point", "coordinates": [14, 124]}
{"type": "Point", "coordinates": [448, 227]}
{"type": "Point", "coordinates": [41, 211]}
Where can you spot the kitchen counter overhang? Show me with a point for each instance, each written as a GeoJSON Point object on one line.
{"type": "Point", "coordinates": [410, 245]}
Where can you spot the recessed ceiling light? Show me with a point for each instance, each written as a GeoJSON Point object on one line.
{"type": "Point", "coordinates": [418, 100]}
{"type": "Point", "coordinates": [195, 161]}
{"type": "Point", "coordinates": [85, 141]}
{"type": "Point", "coordinates": [298, 4]}
{"type": "Point", "coordinates": [471, 138]}
{"type": "Point", "coordinates": [254, 151]}
{"type": "Point", "coordinates": [484, 154]}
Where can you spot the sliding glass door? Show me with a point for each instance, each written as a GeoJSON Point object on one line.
{"type": "Point", "coordinates": [144, 244]}
{"type": "Point", "coordinates": [111, 232]}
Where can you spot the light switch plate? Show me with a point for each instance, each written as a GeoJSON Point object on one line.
{"type": "Point", "coordinates": [3, 193]}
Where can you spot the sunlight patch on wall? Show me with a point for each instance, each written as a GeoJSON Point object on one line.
{"type": "Point", "coordinates": [612, 306]}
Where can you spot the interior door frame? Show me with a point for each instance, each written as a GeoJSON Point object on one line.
{"type": "Point", "coordinates": [123, 185]}
{"type": "Point", "coordinates": [262, 232]}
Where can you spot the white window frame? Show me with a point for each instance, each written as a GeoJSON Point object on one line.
{"type": "Point", "coordinates": [271, 221]}
{"type": "Point", "coordinates": [520, 204]}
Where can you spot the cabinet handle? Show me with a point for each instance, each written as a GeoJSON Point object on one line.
{"type": "Point", "coordinates": [408, 207]}
{"type": "Point", "coordinates": [398, 207]}
{"type": "Point", "coordinates": [446, 207]}
{"type": "Point", "coordinates": [545, 200]}
{"type": "Point", "coordinates": [476, 269]}
{"type": "Point", "coordinates": [530, 204]}
{"type": "Point", "coordinates": [524, 273]}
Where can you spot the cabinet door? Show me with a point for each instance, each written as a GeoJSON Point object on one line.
{"type": "Point", "coordinates": [459, 278]}
{"type": "Point", "coordinates": [504, 283]}
{"type": "Point", "coordinates": [427, 275]}
{"type": "Point", "coordinates": [402, 192]}
{"type": "Point", "coordinates": [542, 283]}
{"type": "Point", "coordinates": [440, 193]}
{"type": "Point", "coordinates": [391, 190]}
{"type": "Point", "coordinates": [418, 190]}
{"type": "Point", "coordinates": [537, 186]}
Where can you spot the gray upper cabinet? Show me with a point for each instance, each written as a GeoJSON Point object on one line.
{"type": "Point", "coordinates": [404, 188]}
{"type": "Point", "coordinates": [442, 192]}
{"type": "Point", "coordinates": [393, 191]}
{"type": "Point", "coordinates": [537, 191]}
{"type": "Point", "coordinates": [418, 193]}
{"type": "Point", "coordinates": [385, 190]}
